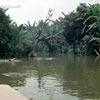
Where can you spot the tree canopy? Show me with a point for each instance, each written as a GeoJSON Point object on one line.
{"type": "Point", "coordinates": [78, 32]}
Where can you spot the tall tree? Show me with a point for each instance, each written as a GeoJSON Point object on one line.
{"type": "Point", "coordinates": [43, 34]}
{"type": "Point", "coordinates": [5, 32]}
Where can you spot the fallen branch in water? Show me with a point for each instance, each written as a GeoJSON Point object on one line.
{"type": "Point", "coordinates": [12, 59]}
{"type": "Point", "coordinates": [97, 53]}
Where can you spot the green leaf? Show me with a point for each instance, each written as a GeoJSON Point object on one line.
{"type": "Point", "coordinates": [95, 39]}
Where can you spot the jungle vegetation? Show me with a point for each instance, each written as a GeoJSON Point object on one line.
{"type": "Point", "coordinates": [77, 32]}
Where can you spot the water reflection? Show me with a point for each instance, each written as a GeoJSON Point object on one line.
{"type": "Point", "coordinates": [63, 77]}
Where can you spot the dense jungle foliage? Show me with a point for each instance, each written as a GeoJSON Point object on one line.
{"type": "Point", "coordinates": [80, 33]}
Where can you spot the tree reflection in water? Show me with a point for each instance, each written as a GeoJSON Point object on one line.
{"type": "Point", "coordinates": [66, 77]}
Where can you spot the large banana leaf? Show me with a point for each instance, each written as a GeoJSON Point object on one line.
{"type": "Point", "coordinates": [92, 26]}
{"type": "Point", "coordinates": [96, 17]}
{"type": "Point", "coordinates": [95, 39]}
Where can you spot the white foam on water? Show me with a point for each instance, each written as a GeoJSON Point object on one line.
{"type": "Point", "coordinates": [48, 58]}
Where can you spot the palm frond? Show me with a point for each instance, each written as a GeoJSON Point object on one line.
{"type": "Point", "coordinates": [92, 26]}
{"type": "Point", "coordinates": [95, 39]}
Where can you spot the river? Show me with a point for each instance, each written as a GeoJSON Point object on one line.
{"type": "Point", "coordinates": [54, 77]}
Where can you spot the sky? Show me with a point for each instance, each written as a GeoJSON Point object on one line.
{"type": "Point", "coordinates": [34, 10]}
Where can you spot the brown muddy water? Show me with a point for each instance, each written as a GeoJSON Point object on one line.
{"type": "Point", "coordinates": [54, 77]}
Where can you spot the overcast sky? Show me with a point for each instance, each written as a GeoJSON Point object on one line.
{"type": "Point", "coordinates": [34, 10]}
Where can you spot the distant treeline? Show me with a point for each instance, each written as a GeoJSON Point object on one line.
{"type": "Point", "coordinates": [80, 33]}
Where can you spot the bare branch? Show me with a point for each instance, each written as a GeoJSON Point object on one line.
{"type": "Point", "coordinates": [49, 15]}
{"type": "Point", "coordinates": [50, 37]}
{"type": "Point", "coordinates": [39, 35]}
